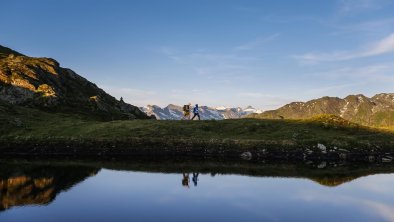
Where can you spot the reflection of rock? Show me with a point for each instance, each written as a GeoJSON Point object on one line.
{"type": "Point", "coordinates": [333, 180]}
{"type": "Point", "coordinates": [246, 155]}
{"type": "Point", "coordinates": [322, 148]}
{"type": "Point", "coordinates": [22, 190]}
{"type": "Point", "coordinates": [32, 184]}
{"type": "Point", "coordinates": [322, 165]}
{"type": "Point", "coordinates": [371, 159]}
{"type": "Point", "coordinates": [342, 156]}
{"type": "Point", "coordinates": [387, 159]}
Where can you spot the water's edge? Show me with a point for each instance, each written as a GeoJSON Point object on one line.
{"type": "Point", "coordinates": [213, 150]}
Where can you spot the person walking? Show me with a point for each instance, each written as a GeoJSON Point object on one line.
{"type": "Point", "coordinates": [186, 112]}
{"type": "Point", "coordinates": [196, 112]}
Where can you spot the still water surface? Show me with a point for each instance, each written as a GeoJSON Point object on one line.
{"type": "Point", "coordinates": [69, 192]}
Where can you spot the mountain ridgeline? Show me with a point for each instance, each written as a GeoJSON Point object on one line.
{"type": "Point", "coordinates": [377, 111]}
{"type": "Point", "coordinates": [41, 83]}
{"type": "Point", "coordinates": [175, 112]}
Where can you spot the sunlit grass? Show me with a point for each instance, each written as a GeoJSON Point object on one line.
{"type": "Point", "coordinates": [23, 123]}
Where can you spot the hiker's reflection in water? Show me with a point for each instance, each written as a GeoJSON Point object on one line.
{"type": "Point", "coordinates": [185, 180]}
{"type": "Point", "coordinates": [195, 179]}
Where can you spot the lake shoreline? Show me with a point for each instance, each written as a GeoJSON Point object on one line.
{"type": "Point", "coordinates": [327, 173]}
{"type": "Point", "coordinates": [214, 149]}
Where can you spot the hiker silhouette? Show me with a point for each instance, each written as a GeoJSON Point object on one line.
{"type": "Point", "coordinates": [185, 180]}
{"type": "Point", "coordinates": [195, 179]}
{"type": "Point", "coordinates": [186, 112]}
{"type": "Point", "coordinates": [196, 112]}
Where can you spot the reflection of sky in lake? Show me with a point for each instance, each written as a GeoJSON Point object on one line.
{"type": "Point", "coordinates": [122, 195]}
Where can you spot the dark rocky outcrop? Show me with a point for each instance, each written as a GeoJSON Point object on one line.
{"type": "Point", "coordinates": [42, 83]}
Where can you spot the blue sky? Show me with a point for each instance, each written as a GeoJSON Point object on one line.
{"type": "Point", "coordinates": [212, 52]}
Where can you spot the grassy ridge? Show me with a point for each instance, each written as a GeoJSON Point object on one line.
{"type": "Point", "coordinates": [21, 123]}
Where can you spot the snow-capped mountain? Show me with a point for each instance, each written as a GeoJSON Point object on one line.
{"type": "Point", "coordinates": [175, 112]}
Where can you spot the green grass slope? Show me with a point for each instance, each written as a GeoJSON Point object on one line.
{"type": "Point", "coordinates": [18, 123]}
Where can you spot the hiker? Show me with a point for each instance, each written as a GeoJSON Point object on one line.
{"type": "Point", "coordinates": [186, 112]}
{"type": "Point", "coordinates": [185, 180]}
{"type": "Point", "coordinates": [195, 179]}
{"type": "Point", "coordinates": [196, 112]}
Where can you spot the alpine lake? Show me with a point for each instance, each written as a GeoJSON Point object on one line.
{"type": "Point", "coordinates": [194, 190]}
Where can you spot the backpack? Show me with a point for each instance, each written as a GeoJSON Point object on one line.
{"type": "Point", "coordinates": [186, 108]}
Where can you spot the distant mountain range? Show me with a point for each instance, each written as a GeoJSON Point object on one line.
{"type": "Point", "coordinates": [375, 111]}
{"type": "Point", "coordinates": [41, 83]}
{"type": "Point", "coordinates": [175, 112]}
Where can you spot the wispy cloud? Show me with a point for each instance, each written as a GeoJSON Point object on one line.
{"type": "Point", "coordinates": [371, 27]}
{"type": "Point", "coordinates": [170, 52]}
{"type": "Point", "coordinates": [384, 46]}
{"type": "Point", "coordinates": [378, 184]}
{"type": "Point", "coordinates": [347, 7]}
{"type": "Point", "coordinates": [342, 81]}
{"type": "Point", "coordinates": [270, 101]}
{"type": "Point", "coordinates": [246, 9]}
{"type": "Point", "coordinates": [204, 56]}
{"type": "Point", "coordinates": [380, 209]}
{"type": "Point", "coordinates": [133, 96]}
{"type": "Point", "coordinates": [331, 89]}
{"type": "Point", "coordinates": [294, 19]}
{"type": "Point", "coordinates": [257, 42]}
{"type": "Point", "coordinates": [255, 95]}
{"type": "Point", "coordinates": [386, 211]}
{"type": "Point", "coordinates": [221, 67]}
{"type": "Point", "coordinates": [373, 71]}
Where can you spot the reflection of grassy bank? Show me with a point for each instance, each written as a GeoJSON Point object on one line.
{"type": "Point", "coordinates": [24, 128]}
{"type": "Point", "coordinates": [333, 174]}
{"type": "Point", "coordinates": [38, 181]}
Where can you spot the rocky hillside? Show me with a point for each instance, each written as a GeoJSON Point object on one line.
{"type": "Point", "coordinates": [174, 112]}
{"type": "Point", "coordinates": [375, 111]}
{"type": "Point", "coordinates": [42, 83]}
